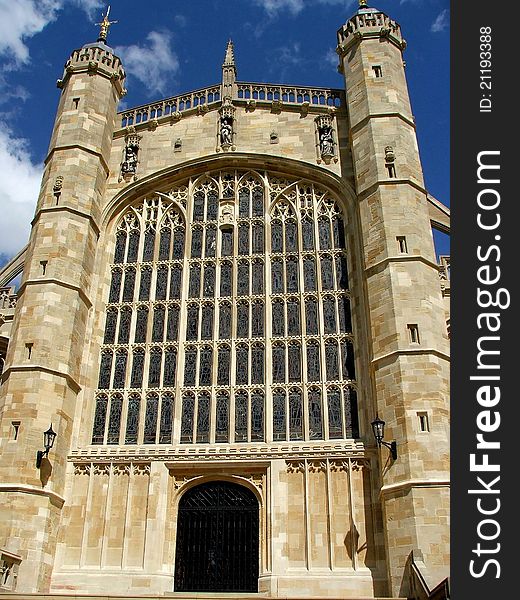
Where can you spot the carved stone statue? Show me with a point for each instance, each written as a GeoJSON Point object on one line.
{"type": "Point", "coordinates": [129, 165]}
{"type": "Point", "coordinates": [326, 141]}
{"type": "Point", "coordinates": [226, 131]}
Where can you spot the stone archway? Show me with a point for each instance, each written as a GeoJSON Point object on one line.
{"type": "Point", "coordinates": [217, 546]}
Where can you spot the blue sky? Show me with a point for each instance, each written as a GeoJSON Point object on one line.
{"type": "Point", "coordinates": [172, 47]}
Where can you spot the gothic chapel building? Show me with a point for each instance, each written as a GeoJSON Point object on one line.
{"type": "Point", "coordinates": [221, 293]}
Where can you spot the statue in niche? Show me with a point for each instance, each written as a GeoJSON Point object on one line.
{"type": "Point", "coordinates": [227, 214]}
{"type": "Point", "coordinates": [326, 141]}
{"type": "Point", "coordinates": [130, 152]}
{"type": "Point", "coordinates": [226, 131]}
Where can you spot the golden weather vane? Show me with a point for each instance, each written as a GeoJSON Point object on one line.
{"type": "Point", "coordinates": [104, 27]}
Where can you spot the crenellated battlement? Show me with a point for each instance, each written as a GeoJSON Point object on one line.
{"type": "Point", "coordinates": [369, 23]}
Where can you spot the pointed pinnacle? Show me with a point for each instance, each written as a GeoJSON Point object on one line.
{"type": "Point", "coordinates": [230, 55]}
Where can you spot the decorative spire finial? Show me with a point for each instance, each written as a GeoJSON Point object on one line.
{"type": "Point", "coordinates": [104, 27]}
{"type": "Point", "coordinates": [230, 54]}
{"type": "Point", "coordinates": [363, 3]}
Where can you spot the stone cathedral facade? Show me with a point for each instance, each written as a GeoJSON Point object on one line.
{"type": "Point", "coordinates": [221, 292]}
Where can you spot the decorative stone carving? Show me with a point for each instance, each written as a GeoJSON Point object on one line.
{"type": "Point", "coordinates": [389, 154]}
{"type": "Point", "coordinates": [202, 109]}
{"type": "Point", "coordinates": [58, 184]}
{"type": "Point", "coordinates": [250, 105]}
{"type": "Point", "coordinates": [297, 466]}
{"type": "Point", "coordinates": [226, 126]}
{"type": "Point", "coordinates": [227, 213]}
{"type": "Point", "coordinates": [130, 157]}
{"type": "Point", "coordinates": [273, 137]}
{"type": "Point", "coordinates": [325, 135]}
{"type": "Point", "coordinates": [177, 146]}
{"type": "Point", "coordinates": [276, 107]}
{"type": "Point", "coordinates": [153, 124]}
{"type": "Point", "coordinates": [304, 109]}
{"type": "Point", "coordinates": [175, 117]}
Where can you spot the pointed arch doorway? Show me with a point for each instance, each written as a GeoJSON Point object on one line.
{"type": "Point", "coordinates": [217, 546]}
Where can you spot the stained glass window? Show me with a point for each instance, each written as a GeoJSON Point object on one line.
{"type": "Point", "coordinates": [311, 317]}
{"type": "Point", "coordinates": [222, 420]}
{"type": "Point", "coordinates": [194, 281]}
{"type": "Point", "coordinates": [136, 379]}
{"type": "Point", "coordinates": [277, 277]}
{"type": "Point", "coordinates": [98, 432]}
{"type": "Point", "coordinates": [165, 243]}
{"type": "Point", "coordinates": [295, 415]}
{"type": "Point", "coordinates": [175, 281]}
{"type": "Point", "coordinates": [242, 372]}
{"type": "Point", "coordinates": [293, 317]}
{"type": "Point", "coordinates": [279, 363]}
{"type": "Point", "coordinates": [115, 285]}
{"type": "Point", "coordinates": [187, 419]}
{"type": "Point", "coordinates": [279, 423]}
{"type": "Point", "coordinates": [341, 272]}
{"type": "Point", "coordinates": [211, 241]}
{"type": "Point", "coordinates": [192, 325]}
{"type": "Point", "coordinates": [162, 283]}
{"type": "Point", "coordinates": [347, 360]}
{"type": "Point", "coordinates": [165, 432]}
{"type": "Point", "coordinates": [243, 203]}
{"type": "Point", "coordinates": [212, 206]}
{"type": "Point", "coordinates": [132, 419]}
{"type": "Point", "coordinates": [206, 364]}
{"type": "Point", "coordinates": [315, 418]}
{"type": "Point", "coordinates": [241, 417]}
{"type": "Point", "coordinates": [243, 279]}
{"type": "Point", "coordinates": [223, 372]}
{"type": "Point", "coordinates": [224, 328]}
{"type": "Point", "coordinates": [243, 320]}
{"type": "Point", "coordinates": [158, 323]}
{"type": "Point", "coordinates": [313, 361]}
{"type": "Point", "coordinates": [133, 246]}
{"type": "Point", "coordinates": [295, 362]}
{"type": "Point", "coordinates": [120, 369]}
{"type": "Point", "coordinates": [258, 238]}
{"type": "Point", "coordinates": [141, 325]}
{"type": "Point", "coordinates": [196, 242]}
{"type": "Point", "coordinates": [119, 254]}
{"type": "Point", "coordinates": [291, 267]}
{"type": "Point", "coordinates": [257, 417]}
{"type": "Point", "coordinates": [128, 288]}
{"type": "Point", "coordinates": [327, 277]}
{"type": "Point", "coordinates": [172, 328]}
{"type": "Point", "coordinates": [308, 234]}
{"type": "Point", "coordinates": [258, 202]}
{"type": "Point", "coordinates": [291, 238]}
{"type": "Point", "coordinates": [154, 371]}
{"type": "Point", "coordinates": [170, 367]}
{"type": "Point", "coordinates": [258, 277]}
{"type": "Point", "coordinates": [334, 406]}
{"type": "Point", "coordinates": [225, 279]}
{"type": "Point", "coordinates": [149, 243]}
{"type": "Point", "coordinates": [331, 360]}
{"type": "Point", "coordinates": [276, 237]}
{"type": "Point", "coordinates": [257, 319]}
{"type": "Point", "coordinates": [243, 238]}
{"type": "Point", "coordinates": [190, 363]}
{"type": "Point", "coordinates": [198, 206]}
{"type": "Point", "coordinates": [203, 418]}
{"type": "Point", "coordinates": [345, 321]}
{"type": "Point", "coordinates": [278, 318]}
{"type": "Point", "coordinates": [114, 420]}
{"type": "Point", "coordinates": [110, 327]}
{"type": "Point", "coordinates": [338, 231]}
{"type": "Point", "coordinates": [324, 233]}
{"type": "Point", "coordinates": [145, 284]}
{"type": "Point", "coordinates": [209, 280]}
{"type": "Point", "coordinates": [206, 328]}
{"type": "Point", "coordinates": [257, 364]}
{"type": "Point", "coordinates": [178, 243]}
{"type": "Point", "coordinates": [309, 274]}
{"type": "Point", "coordinates": [329, 314]}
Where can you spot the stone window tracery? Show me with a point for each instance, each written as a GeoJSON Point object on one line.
{"type": "Point", "coordinates": [272, 275]}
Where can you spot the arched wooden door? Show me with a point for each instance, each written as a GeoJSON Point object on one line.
{"type": "Point", "coordinates": [217, 539]}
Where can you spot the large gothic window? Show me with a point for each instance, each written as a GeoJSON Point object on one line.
{"type": "Point", "coordinates": [228, 317]}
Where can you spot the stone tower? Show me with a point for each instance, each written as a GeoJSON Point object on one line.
{"type": "Point", "coordinates": [404, 314]}
{"type": "Point", "coordinates": [221, 292]}
{"type": "Point", "coordinates": [43, 370]}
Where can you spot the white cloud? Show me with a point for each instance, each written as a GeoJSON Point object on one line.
{"type": "Point", "coordinates": [441, 22]}
{"type": "Point", "coordinates": [273, 7]}
{"type": "Point", "coordinates": [19, 189]}
{"type": "Point", "coordinates": [154, 64]}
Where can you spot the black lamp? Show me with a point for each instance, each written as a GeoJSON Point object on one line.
{"type": "Point", "coordinates": [378, 427]}
{"type": "Point", "coordinates": [48, 441]}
